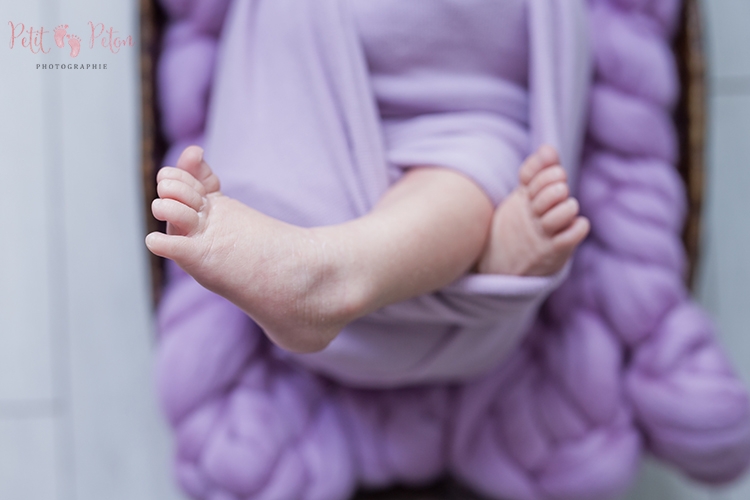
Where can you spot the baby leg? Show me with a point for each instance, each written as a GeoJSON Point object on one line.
{"type": "Point", "coordinates": [536, 229]}
{"type": "Point", "coordinates": [302, 285]}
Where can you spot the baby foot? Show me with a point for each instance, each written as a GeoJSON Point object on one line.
{"type": "Point", "coordinates": [275, 272]}
{"type": "Point", "coordinates": [75, 45]}
{"type": "Point", "coordinates": [536, 229]}
{"type": "Point", "coordinates": [60, 32]}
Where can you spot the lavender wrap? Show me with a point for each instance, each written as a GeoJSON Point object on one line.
{"type": "Point", "coordinates": [619, 361]}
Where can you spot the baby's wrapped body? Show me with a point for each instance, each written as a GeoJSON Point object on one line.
{"type": "Point", "coordinates": [442, 84]}
{"type": "Point", "coordinates": [450, 80]}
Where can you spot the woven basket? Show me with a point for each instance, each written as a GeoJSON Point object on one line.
{"type": "Point", "coordinates": [690, 118]}
{"type": "Point", "coordinates": [153, 145]}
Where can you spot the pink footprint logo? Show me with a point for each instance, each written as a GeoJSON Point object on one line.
{"type": "Point", "coordinates": [75, 45]}
{"type": "Point", "coordinates": [60, 33]}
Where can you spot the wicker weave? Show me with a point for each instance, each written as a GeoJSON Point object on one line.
{"type": "Point", "coordinates": [690, 117]}
{"type": "Point", "coordinates": [153, 145]}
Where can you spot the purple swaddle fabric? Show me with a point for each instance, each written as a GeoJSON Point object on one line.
{"type": "Point", "coordinates": [619, 360]}
{"type": "Point", "coordinates": [316, 157]}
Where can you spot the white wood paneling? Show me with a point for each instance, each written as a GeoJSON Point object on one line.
{"type": "Point", "coordinates": [78, 413]}
{"type": "Point", "coordinates": [657, 482]}
{"type": "Point", "coordinates": [30, 472]}
{"type": "Point", "coordinates": [120, 450]}
{"type": "Point", "coordinates": [729, 37]}
{"type": "Point", "coordinates": [25, 245]}
{"type": "Point", "coordinates": [727, 226]}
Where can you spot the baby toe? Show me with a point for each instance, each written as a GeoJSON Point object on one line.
{"type": "Point", "coordinates": [573, 235]}
{"type": "Point", "coordinates": [191, 160]}
{"type": "Point", "coordinates": [183, 218]}
{"type": "Point", "coordinates": [176, 248]}
{"type": "Point", "coordinates": [547, 176]}
{"type": "Point", "coordinates": [530, 167]}
{"type": "Point", "coordinates": [180, 191]}
{"type": "Point", "coordinates": [550, 196]}
{"type": "Point", "coordinates": [182, 176]}
{"type": "Point", "coordinates": [542, 158]}
{"type": "Point", "coordinates": [560, 216]}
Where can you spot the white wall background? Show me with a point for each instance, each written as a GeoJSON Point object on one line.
{"type": "Point", "coordinates": [78, 419]}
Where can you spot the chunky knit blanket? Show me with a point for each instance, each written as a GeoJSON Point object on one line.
{"type": "Point", "coordinates": [619, 362]}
